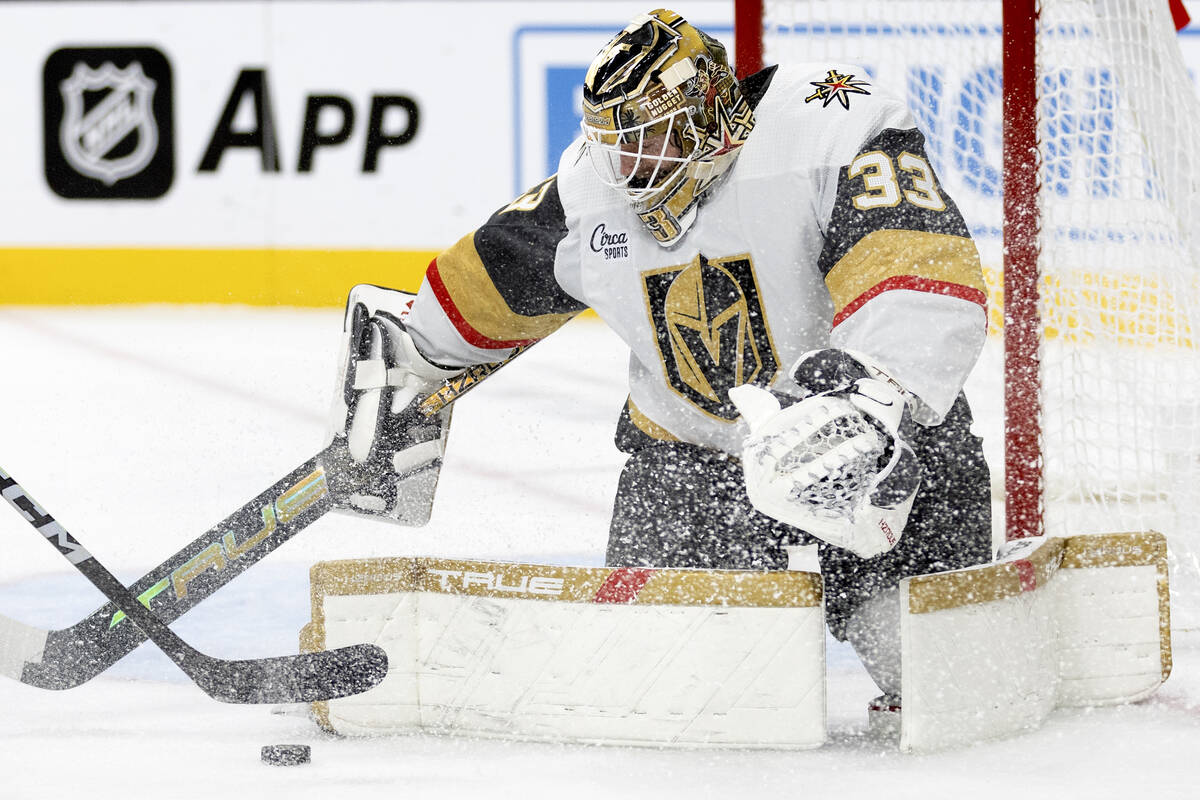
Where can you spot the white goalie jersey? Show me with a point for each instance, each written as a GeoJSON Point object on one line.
{"type": "Point", "coordinates": [831, 230]}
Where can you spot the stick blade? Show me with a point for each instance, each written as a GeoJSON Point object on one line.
{"type": "Point", "coordinates": [303, 678]}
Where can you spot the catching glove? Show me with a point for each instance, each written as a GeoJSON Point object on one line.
{"type": "Point", "coordinates": [836, 464]}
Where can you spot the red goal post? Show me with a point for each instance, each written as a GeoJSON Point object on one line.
{"type": "Point", "coordinates": [1056, 126]}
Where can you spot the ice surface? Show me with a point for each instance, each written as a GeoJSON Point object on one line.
{"type": "Point", "coordinates": [139, 428]}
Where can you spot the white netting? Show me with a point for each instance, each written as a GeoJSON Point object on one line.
{"type": "Point", "coordinates": [1117, 124]}
{"type": "Point", "coordinates": [843, 447]}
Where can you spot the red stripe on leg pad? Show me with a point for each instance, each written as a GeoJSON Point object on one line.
{"type": "Point", "coordinates": [1026, 575]}
{"type": "Point", "coordinates": [622, 585]}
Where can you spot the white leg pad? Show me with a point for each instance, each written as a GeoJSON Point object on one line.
{"type": "Point", "coordinates": [991, 651]}
{"type": "Point", "coordinates": [661, 657]}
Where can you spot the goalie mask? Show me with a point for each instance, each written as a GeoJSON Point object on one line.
{"type": "Point", "coordinates": [663, 119]}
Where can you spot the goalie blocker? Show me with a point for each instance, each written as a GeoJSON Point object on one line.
{"type": "Point", "coordinates": [392, 453]}
{"type": "Point", "coordinates": [728, 658]}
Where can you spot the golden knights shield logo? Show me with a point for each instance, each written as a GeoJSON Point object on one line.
{"type": "Point", "coordinates": [711, 331]}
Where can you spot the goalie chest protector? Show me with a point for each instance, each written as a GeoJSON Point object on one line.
{"type": "Point", "coordinates": [742, 295]}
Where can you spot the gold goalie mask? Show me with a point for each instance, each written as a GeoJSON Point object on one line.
{"type": "Point", "coordinates": [663, 118]}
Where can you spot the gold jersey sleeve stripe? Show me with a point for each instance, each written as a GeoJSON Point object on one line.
{"type": "Point", "coordinates": [880, 256]}
{"type": "Point", "coordinates": [476, 303]}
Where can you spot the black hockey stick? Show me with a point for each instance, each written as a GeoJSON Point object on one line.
{"type": "Point", "coordinates": [302, 678]}
{"type": "Point", "coordinates": [68, 657]}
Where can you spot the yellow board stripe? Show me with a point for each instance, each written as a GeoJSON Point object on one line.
{"type": "Point", "coordinates": [1133, 309]}
{"type": "Point", "coordinates": [267, 277]}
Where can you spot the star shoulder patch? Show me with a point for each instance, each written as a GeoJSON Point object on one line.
{"type": "Point", "coordinates": [836, 87]}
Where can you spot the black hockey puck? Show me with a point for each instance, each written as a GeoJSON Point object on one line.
{"type": "Point", "coordinates": [286, 755]}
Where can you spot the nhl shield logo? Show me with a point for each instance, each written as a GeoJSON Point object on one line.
{"type": "Point", "coordinates": [90, 138]}
{"type": "Point", "coordinates": [108, 123]}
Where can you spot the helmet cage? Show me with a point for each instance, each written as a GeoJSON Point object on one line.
{"type": "Point", "coordinates": [663, 119]}
{"type": "Point", "coordinates": [646, 158]}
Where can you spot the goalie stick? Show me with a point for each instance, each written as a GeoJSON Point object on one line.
{"type": "Point", "coordinates": [68, 657]}
{"type": "Point", "coordinates": [303, 678]}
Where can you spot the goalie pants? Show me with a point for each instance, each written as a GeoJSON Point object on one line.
{"type": "Point", "coordinates": [682, 505]}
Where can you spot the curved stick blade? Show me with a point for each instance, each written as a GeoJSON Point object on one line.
{"type": "Point", "coordinates": [303, 678]}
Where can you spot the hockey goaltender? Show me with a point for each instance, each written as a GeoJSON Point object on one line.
{"type": "Point", "coordinates": [802, 303]}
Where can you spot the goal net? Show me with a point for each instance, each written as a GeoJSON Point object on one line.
{"type": "Point", "coordinates": [1115, 369]}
